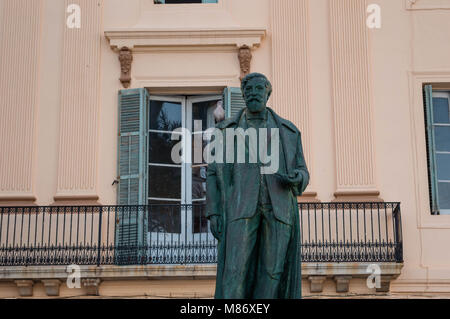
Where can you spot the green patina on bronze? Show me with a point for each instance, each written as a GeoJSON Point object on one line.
{"type": "Point", "coordinates": [253, 216]}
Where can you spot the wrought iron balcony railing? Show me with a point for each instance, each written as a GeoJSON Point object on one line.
{"type": "Point", "coordinates": [179, 234]}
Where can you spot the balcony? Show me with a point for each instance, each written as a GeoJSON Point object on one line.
{"type": "Point", "coordinates": [332, 234]}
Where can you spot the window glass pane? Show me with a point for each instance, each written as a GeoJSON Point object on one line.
{"type": "Point", "coordinates": [160, 148]}
{"type": "Point", "coordinates": [164, 217]}
{"type": "Point", "coordinates": [165, 116]}
{"type": "Point", "coordinates": [444, 195]}
{"type": "Point", "coordinates": [199, 218]}
{"type": "Point", "coordinates": [198, 147]}
{"type": "Point", "coordinates": [443, 166]}
{"type": "Point", "coordinates": [203, 111]}
{"type": "Point", "coordinates": [440, 110]}
{"type": "Point", "coordinates": [164, 182]}
{"type": "Point", "coordinates": [442, 138]}
{"type": "Point", "coordinates": [199, 182]}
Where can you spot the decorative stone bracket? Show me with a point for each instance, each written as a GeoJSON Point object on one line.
{"type": "Point", "coordinates": [126, 59]}
{"type": "Point", "coordinates": [342, 283]}
{"type": "Point", "coordinates": [25, 287]}
{"type": "Point", "coordinates": [343, 273]}
{"type": "Point", "coordinates": [92, 286]}
{"type": "Point", "coordinates": [51, 286]}
{"type": "Point", "coordinates": [245, 59]}
{"type": "Point", "coordinates": [316, 283]}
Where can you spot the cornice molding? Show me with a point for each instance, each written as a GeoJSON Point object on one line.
{"type": "Point", "coordinates": [426, 5]}
{"type": "Point", "coordinates": [17, 197]}
{"type": "Point", "coordinates": [142, 39]}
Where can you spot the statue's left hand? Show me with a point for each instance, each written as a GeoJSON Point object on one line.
{"type": "Point", "coordinates": [293, 179]}
{"type": "Point", "coordinates": [216, 226]}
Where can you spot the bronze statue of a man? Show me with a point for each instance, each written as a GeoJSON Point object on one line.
{"type": "Point", "coordinates": [254, 216]}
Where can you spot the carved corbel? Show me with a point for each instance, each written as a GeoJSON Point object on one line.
{"type": "Point", "coordinates": [316, 283]}
{"type": "Point", "coordinates": [245, 59]}
{"type": "Point", "coordinates": [385, 284]}
{"type": "Point", "coordinates": [92, 286]}
{"type": "Point", "coordinates": [25, 287]}
{"type": "Point", "coordinates": [126, 59]}
{"type": "Point", "coordinates": [51, 286]}
{"type": "Point", "coordinates": [342, 283]}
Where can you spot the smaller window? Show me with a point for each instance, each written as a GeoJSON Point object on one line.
{"type": "Point", "coordinates": [437, 109]}
{"type": "Point", "coordinates": [183, 1]}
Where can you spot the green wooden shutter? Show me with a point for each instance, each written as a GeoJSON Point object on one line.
{"type": "Point", "coordinates": [431, 157]}
{"type": "Point", "coordinates": [234, 101]}
{"type": "Point", "coordinates": [131, 219]}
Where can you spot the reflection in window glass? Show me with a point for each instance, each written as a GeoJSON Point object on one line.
{"type": "Point", "coordinates": [444, 196]}
{"type": "Point", "coordinates": [443, 167]}
{"type": "Point", "coordinates": [160, 148]}
{"type": "Point", "coordinates": [164, 182]}
{"type": "Point", "coordinates": [165, 116]}
{"type": "Point", "coordinates": [442, 138]}
{"type": "Point", "coordinates": [164, 217]}
{"type": "Point", "coordinates": [199, 182]}
{"type": "Point", "coordinates": [441, 110]}
{"type": "Point", "coordinates": [203, 111]}
{"type": "Point", "coordinates": [199, 218]}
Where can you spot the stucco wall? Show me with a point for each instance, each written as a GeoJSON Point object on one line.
{"type": "Point", "coordinates": [60, 116]}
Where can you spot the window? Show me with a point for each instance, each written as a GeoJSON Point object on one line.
{"type": "Point", "coordinates": [183, 1]}
{"type": "Point", "coordinates": [175, 193]}
{"type": "Point", "coordinates": [171, 184]}
{"type": "Point", "coordinates": [437, 111]}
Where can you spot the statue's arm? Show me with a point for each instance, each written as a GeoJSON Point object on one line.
{"type": "Point", "coordinates": [212, 192]}
{"type": "Point", "coordinates": [301, 168]}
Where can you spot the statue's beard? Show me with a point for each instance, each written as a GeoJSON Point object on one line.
{"type": "Point", "coordinates": [255, 105]}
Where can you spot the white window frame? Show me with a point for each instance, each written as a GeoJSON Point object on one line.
{"type": "Point", "coordinates": [187, 231]}
{"type": "Point", "coordinates": [441, 94]}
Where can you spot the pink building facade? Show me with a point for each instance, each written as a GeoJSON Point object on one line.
{"type": "Point", "coordinates": [90, 90]}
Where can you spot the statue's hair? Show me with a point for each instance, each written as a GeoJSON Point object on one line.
{"type": "Point", "coordinates": [254, 75]}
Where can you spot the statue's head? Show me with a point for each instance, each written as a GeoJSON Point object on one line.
{"type": "Point", "coordinates": [256, 90]}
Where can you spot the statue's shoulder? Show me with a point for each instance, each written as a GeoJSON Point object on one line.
{"type": "Point", "coordinates": [286, 122]}
{"type": "Point", "coordinates": [231, 121]}
{"type": "Point", "coordinates": [290, 125]}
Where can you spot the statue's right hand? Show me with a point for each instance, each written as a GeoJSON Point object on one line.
{"type": "Point", "coordinates": [216, 226]}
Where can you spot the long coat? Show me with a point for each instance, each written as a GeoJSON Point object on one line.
{"type": "Point", "coordinates": [232, 193]}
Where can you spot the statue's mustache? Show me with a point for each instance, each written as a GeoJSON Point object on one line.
{"type": "Point", "coordinates": [257, 98]}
